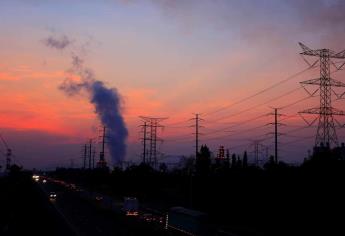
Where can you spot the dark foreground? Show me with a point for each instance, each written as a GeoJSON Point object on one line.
{"type": "Point", "coordinates": [27, 210]}
{"type": "Point", "coordinates": [277, 201]}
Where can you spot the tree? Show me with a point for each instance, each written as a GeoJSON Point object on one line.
{"type": "Point", "coordinates": [15, 169]}
{"type": "Point", "coordinates": [245, 160]}
{"type": "Point", "coordinates": [233, 160]}
{"type": "Point", "coordinates": [239, 161]}
{"type": "Point", "coordinates": [163, 167]}
{"type": "Point", "coordinates": [227, 160]}
{"type": "Point", "coordinates": [203, 161]}
{"type": "Point", "coordinates": [270, 163]}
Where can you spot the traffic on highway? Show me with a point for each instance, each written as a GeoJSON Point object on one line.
{"type": "Point", "coordinates": [92, 213]}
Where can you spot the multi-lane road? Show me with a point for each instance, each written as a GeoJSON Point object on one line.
{"type": "Point", "coordinates": [25, 210]}
{"type": "Point", "coordinates": [89, 213]}
{"type": "Point", "coordinates": [28, 209]}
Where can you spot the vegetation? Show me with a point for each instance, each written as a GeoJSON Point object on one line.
{"type": "Point", "coordinates": [275, 199]}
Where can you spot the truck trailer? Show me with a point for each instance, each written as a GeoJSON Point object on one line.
{"type": "Point", "coordinates": [131, 206]}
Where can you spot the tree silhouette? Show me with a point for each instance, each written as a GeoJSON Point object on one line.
{"type": "Point", "coordinates": [233, 160]}
{"type": "Point", "coordinates": [203, 161]}
{"type": "Point", "coordinates": [163, 167]}
{"type": "Point", "coordinates": [239, 162]}
{"type": "Point", "coordinates": [245, 160]}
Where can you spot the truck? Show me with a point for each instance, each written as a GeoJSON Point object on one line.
{"type": "Point", "coordinates": [130, 206]}
{"type": "Point", "coordinates": [187, 222]}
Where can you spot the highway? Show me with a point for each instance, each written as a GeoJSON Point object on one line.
{"type": "Point", "coordinates": [88, 217]}
{"type": "Point", "coordinates": [91, 213]}
{"type": "Point", "coordinates": [27, 211]}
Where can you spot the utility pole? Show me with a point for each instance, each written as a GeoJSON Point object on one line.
{"type": "Point", "coordinates": [8, 158]}
{"type": "Point", "coordinates": [256, 153]}
{"type": "Point", "coordinates": [197, 126]}
{"type": "Point", "coordinates": [275, 135]}
{"type": "Point", "coordinates": [90, 150]}
{"type": "Point", "coordinates": [153, 143]}
{"type": "Point", "coordinates": [93, 158]}
{"type": "Point", "coordinates": [326, 132]}
{"type": "Point", "coordinates": [276, 123]}
{"type": "Point", "coordinates": [85, 154]}
{"type": "Point", "coordinates": [197, 133]}
{"type": "Point", "coordinates": [103, 142]}
{"type": "Point", "coordinates": [152, 123]}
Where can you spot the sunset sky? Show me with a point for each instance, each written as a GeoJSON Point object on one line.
{"type": "Point", "coordinates": [168, 58]}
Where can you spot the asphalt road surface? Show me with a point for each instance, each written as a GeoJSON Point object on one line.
{"type": "Point", "coordinates": [86, 218]}
{"type": "Point", "coordinates": [27, 211]}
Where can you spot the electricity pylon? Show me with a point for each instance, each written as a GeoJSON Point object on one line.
{"type": "Point", "coordinates": [151, 124]}
{"type": "Point", "coordinates": [326, 132]}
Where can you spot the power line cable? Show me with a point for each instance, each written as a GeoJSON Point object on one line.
{"type": "Point", "coordinates": [259, 92]}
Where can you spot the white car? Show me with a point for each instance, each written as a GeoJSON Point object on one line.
{"type": "Point", "coordinates": [52, 195]}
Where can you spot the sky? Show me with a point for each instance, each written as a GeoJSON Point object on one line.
{"type": "Point", "coordinates": [167, 58]}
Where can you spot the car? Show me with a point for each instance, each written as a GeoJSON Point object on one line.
{"type": "Point", "coordinates": [99, 198]}
{"type": "Point", "coordinates": [130, 206]}
{"type": "Point", "coordinates": [52, 195]}
{"type": "Point", "coordinates": [148, 217]}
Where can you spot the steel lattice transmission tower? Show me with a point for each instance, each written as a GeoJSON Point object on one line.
{"type": "Point", "coordinates": [326, 132]}
{"type": "Point", "coordinates": [258, 151]}
{"type": "Point", "coordinates": [102, 163]}
{"type": "Point", "coordinates": [150, 139]}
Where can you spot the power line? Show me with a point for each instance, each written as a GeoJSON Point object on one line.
{"type": "Point", "coordinates": [233, 137]}
{"type": "Point", "coordinates": [259, 105]}
{"type": "Point", "coordinates": [181, 140]}
{"type": "Point", "coordinates": [294, 103]}
{"type": "Point", "coordinates": [249, 97]}
{"type": "Point", "coordinates": [237, 124]}
{"type": "Point", "coordinates": [249, 120]}
{"type": "Point", "coordinates": [179, 137]}
{"type": "Point", "coordinates": [258, 117]}
{"type": "Point", "coordinates": [176, 123]}
{"type": "Point", "coordinates": [298, 140]}
{"type": "Point", "coordinates": [239, 131]}
{"type": "Point", "coordinates": [259, 92]}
